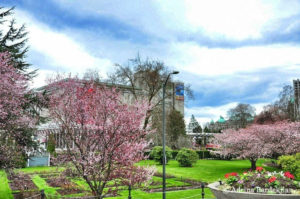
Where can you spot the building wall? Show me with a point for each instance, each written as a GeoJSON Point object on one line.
{"type": "Point", "coordinates": [171, 100]}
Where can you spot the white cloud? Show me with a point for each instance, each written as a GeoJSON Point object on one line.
{"type": "Point", "coordinates": [231, 19]}
{"type": "Point", "coordinates": [63, 50]}
{"type": "Point", "coordinates": [59, 50]}
{"type": "Point", "coordinates": [219, 61]}
{"type": "Point", "coordinates": [40, 79]}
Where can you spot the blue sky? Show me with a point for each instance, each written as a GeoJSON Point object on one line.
{"type": "Point", "coordinates": [229, 51]}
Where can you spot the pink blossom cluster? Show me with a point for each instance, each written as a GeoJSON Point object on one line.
{"type": "Point", "coordinates": [258, 141]}
{"type": "Point", "coordinates": [13, 87]}
{"type": "Point", "coordinates": [104, 136]}
{"type": "Point", "coordinates": [13, 117]}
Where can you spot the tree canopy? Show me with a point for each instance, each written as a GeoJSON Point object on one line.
{"type": "Point", "coordinates": [241, 114]}
{"type": "Point", "coordinates": [104, 137]}
{"type": "Point", "coordinates": [16, 122]}
{"type": "Point", "coordinates": [13, 39]}
{"type": "Point", "coordinates": [282, 109]}
{"type": "Point", "coordinates": [194, 126]}
{"type": "Point", "coordinates": [175, 127]}
{"type": "Point", "coordinates": [261, 141]}
{"type": "Point", "coordinates": [146, 76]}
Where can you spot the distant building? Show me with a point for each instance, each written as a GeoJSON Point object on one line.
{"type": "Point", "coordinates": [210, 129]}
{"type": "Point", "coordinates": [222, 124]}
{"type": "Point", "coordinates": [296, 86]}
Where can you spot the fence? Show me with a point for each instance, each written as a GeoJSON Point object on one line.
{"type": "Point", "coordinates": [43, 195]}
{"type": "Point", "coordinates": [39, 159]}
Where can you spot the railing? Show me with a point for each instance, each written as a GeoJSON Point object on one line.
{"type": "Point", "coordinates": [43, 195]}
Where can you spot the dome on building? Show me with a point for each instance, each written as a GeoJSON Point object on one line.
{"type": "Point", "coordinates": [221, 120]}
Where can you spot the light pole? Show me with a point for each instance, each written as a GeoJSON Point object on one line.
{"type": "Point", "coordinates": [164, 133]}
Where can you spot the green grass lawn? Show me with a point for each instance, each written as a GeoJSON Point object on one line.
{"type": "Point", "coordinates": [30, 170]}
{"type": "Point", "coordinates": [203, 170]}
{"type": "Point", "coordinates": [42, 184]}
{"type": "Point", "coordinates": [138, 194]}
{"type": "Point", "coordinates": [5, 191]}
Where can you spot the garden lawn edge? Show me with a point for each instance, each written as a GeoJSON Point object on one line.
{"type": "Point", "coordinates": [5, 191]}
{"type": "Point", "coordinates": [42, 185]}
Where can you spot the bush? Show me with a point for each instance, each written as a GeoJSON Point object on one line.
{"type": "Point", "coordinates": [174, 154]}
{"type": "Point", "coordinates": [186, 157]}
{"type": "Point", "coordinates": [297, 156]}
{"type": "Point", "coordinates": [51, 144]}
{"type": "Point", "coordinates": [219, 156]}
{"type": "Point", "coordinates": [147, 154]}
{"type": "Point", "coordinates": [290, 163]}
{"type": "Point", "coordinates": [203, 154]}
{"type": "Point", "coordinates": [157, 154]}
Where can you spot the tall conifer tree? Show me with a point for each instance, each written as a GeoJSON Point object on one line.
{"type": "Point", "coordinates": [194, 126]}
{"type": "Point", "coordinates": [13, 39]}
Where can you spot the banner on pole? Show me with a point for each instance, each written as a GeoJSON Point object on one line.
{"type": "Point", "coordinates": [179, 92]}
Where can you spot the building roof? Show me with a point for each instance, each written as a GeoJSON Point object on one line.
{"type": "Point", "coordinates": [221, 120]}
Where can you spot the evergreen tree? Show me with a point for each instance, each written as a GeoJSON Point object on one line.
{"type": "Point", "coordinates": [206, 130]}
{"type": "Point", "coordinates": [13, 40]}
{"type": "Point", "coordinates": [194, 126]}
{"type": "Point", "coordinates": [175, 127]}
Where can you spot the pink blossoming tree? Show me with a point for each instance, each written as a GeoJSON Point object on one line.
{"type": "Point", "coordinates": [104, 137]}
{"type": "Point", "coordinates": [258, 141]}
{"type": "Point", "coordinates": [13, 118]}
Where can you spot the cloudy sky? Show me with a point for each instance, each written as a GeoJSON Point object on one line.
{"type": "Point", "coordinates": [229, 51]}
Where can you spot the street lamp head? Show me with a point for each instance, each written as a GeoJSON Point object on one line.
{"type": "Point", "coordinates": [175, 72]}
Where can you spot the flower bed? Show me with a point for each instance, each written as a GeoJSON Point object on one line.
{"type": "Point", "coordinates": [258, 182]}
{"type": "Point", "coordinates": [261, 181]}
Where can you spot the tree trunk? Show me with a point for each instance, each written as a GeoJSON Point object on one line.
{"type": "Point", "coordinates": [253, 164]}
{"type": "Point", "coordinates": [147, 118]}
{"type": "Point", "coordinates": [146, 122]}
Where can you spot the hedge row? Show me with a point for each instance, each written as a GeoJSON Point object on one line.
{"type": "Point", "coordinates": [201, 154]}
{"type": "Point", "coordinates": [204, 154]}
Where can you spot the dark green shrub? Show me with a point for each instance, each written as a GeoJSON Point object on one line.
{"type": "Point", "coordinates": [157, 154]}
{"type": "Point", "coordinates": [290, 163]}
{"type": "Point", "coordinates": [186, 157]}
{"type": "Point", "coordinates": [174, 154]}
{"type": "Point", "coordinates": [203, 154]}
{"type": "Point", "coordinates": [51, 144]}
{"type": "Point", "coordinates": [147, 154]}
{"type": "Point", "coordinates": [20, 161]}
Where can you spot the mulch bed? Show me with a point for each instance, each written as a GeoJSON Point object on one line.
{"type": "Point", "coordinates": [193, 182]}
{"type": "Point", "coordinates": [161, 175]}
{"type": "Point", "coordinates": [20, 182]}
{"type": "Point", "coordinates": [48, 175]}
{"type": "Point", "coordinates": [61, 182]}
{"type": "Point", "coordinates": [69, 191]}
{"type": "Point", "coordinates": [171, 189]}
{"type": "Point", "coordinates": [153, 183]}
{"type": "Point", "coordinates": [272, 164]}
{"type": "Point", "coordinates": [27, 194]}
